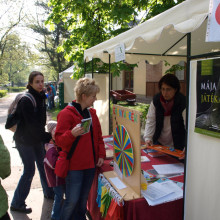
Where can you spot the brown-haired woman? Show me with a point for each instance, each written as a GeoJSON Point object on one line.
{"type": "Point", "coordinates": [165, 118]}
{"type": "Point", "coordinates": [30, 137]}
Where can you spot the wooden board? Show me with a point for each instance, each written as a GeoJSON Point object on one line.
{"type": "Point", "coordinates": [127, 193]}
{"type": "Point", "coordinates": [166, 150]}
{"type": "Point", "coordinates": [130, 119]}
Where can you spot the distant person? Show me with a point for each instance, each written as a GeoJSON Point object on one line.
{"type": "Point", "coordinates": [50, 97]}
{"type": "Point", "coordinates": [89, 152]}
{"type": "Point", "coordinates": [165, 118]}
{"type": "Point", "coordinates": [54, 93]}
{"type": "Point", "coordinates": [49, 165]}
{"type": "Point", "coordinates": [30, 137]}
{"type": "Point", "coordinates": [5, 171]}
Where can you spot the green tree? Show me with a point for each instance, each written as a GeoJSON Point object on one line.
{"type": "Point", "coordinates": [10, 16]}
{"type": "Point", "coordinates": [18, 60]}
{"type": "Point", "coordinates": [49, 40]}
{"type": "Point", "coordinates": [94, 21]}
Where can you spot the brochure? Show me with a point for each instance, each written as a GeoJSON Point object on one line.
{"type": "Point", "coordinates": [162, 192]}
{"type": "Point", "coordinates": [85, 123]}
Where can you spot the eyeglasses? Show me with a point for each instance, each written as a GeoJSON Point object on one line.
{"type": "Point", "coordinates": [166, 89]}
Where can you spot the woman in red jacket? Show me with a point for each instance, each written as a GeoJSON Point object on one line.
{"type": "Point", "coordinates": [89, 152]}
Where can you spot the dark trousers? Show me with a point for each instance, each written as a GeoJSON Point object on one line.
{"type": "Point", "coordinates": [30, 155]}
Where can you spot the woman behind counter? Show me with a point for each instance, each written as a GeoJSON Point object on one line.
{"type": "Point", "coordinates": [165, 118]}
{"type": "Point", "coordinates": [89, 152]}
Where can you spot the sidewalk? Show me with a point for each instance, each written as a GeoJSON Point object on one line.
{"type": "Point", "coordinates": [41, 207]}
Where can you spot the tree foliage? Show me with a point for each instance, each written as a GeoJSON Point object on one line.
{"type": "Point", "coordinates": [91, 22]}
{"type": "Point", "coordinates": [49, 40]}
{"type": "Point", "coordinates": [18, 60]}
{"type": "Point", "coordinates": [9, 19]}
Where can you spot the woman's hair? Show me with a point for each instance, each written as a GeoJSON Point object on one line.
{"type": "Point", "coordinates": [85, 86]}
{"type": "Point", "coordinates": [32, 76]}
{"type": "Point", "coordinates": [171, 80]}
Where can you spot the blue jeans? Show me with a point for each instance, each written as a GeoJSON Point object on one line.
{"type": "Point", "coordinates": [78, 184]}
{"type": "Point", "coordinates": [50, 102]}
{"type": "Point", "coordinates": [30, 155]}
{"type": "Point", "coordinates": [58, 202]}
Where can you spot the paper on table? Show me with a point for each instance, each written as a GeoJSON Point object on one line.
{"type": "Point", "coordinates": [117, 170]}
{"type": "Point", "coordinates": [157, 190]}
{"type": "Point", "coordinates": [169, 168]}
{"type": "Point", "coordinates": [107, 139]}
{"type": "Point", "coordinates": [177, 194]}
{"type": "Point", "coordinates": [144, 159]}
{"type": "Point", "coordinates": [118, 183]}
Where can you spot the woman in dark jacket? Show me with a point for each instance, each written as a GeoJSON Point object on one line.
{"type": "Point", "coordinates": [165, 119]}
{"type": "Point", "coordinates": [30, 137]}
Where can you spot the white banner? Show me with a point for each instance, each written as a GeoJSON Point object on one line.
{"type": "Point", "coordinates": [213, 25]}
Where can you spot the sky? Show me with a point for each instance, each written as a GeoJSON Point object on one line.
{"type": "Point", "coordinates": [9, 12]}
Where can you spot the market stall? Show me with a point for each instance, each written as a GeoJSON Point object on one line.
{"type": "Point", "coordinates": [178, 34]}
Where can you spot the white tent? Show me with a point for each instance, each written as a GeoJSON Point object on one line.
{"type": "Point", "coordinates": [179, 34]}
{"type": "Point", "coordinates": [163, 35]}
{"type": "Point", "coordinates": [69, 84]}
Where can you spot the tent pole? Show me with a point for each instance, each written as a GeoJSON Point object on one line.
{"type": "Point", "coordinates": [92, 68]}
{"type": "Point", "coordinates": [188, 74]}
{"type": "Point", "coordinates": [187, 110]}
{"type": "Point", "coordinates": [109, 86]}
{"type": "Point", "coordinates": [206, 55]}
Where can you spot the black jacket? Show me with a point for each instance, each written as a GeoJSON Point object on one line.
{"type": "Point", "coordinates": [177, 122]}
{"type": "Point", "coordinates": [32, 121]}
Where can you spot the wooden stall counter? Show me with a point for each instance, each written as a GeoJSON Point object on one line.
{"type": "Point", "coordinates": [138, 209]}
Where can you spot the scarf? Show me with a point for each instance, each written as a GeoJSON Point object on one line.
{"type": "Point", "coordinates": [167, 105]}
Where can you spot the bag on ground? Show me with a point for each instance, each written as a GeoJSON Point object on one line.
{"type": "Point", "coordinates": [12, 118]}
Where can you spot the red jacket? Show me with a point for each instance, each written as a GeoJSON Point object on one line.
{"type": "Point", "coordinates": [82, 157]}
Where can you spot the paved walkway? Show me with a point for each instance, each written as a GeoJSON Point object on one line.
{"type": "Point", "coordinates": [41, 208]}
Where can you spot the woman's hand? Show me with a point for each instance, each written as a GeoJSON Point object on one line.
{"type": "Point", "coordinates": [148, 143]}
{"type": "Point", "coordinates": [100, 162]}
{"type": "Point", "coordinates": [183, 155]}
{"type": "Point", "coordinates": [77, 130]}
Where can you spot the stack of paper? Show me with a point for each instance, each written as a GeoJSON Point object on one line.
{"type": "Point", "coordinates": [144, 159]}
{"type": "Point", "coordinates": [108, 139]}
{"type": "Point", "coordinates": [169, 168]}
{"type": "Point", "coordinates": [161, 192]}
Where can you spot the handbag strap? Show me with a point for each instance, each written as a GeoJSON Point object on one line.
{"type": "Point", "coordinates": [69, 155]}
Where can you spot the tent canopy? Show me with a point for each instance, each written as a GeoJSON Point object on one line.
{"type": "Point", "coordinates": [162, 35]}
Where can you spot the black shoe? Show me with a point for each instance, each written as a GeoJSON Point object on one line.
{"type": "Point", "coordinates": [24, 209]}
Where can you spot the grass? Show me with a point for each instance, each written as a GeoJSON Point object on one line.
{"type": "Point", "coordinates": [53, 113]}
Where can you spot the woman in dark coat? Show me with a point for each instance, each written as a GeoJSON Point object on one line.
{"type": "Point", "coordinates": [30, 137]}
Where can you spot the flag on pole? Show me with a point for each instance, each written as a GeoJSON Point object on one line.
{"type": "Point", "coordinates": [213, 25]}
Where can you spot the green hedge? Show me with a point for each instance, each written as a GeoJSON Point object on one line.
{"type": "Point", "coordinates": [16, 89]}
{"type": "Point", "coordinates": [3, 93]}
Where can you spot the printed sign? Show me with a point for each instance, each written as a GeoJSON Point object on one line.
{"type": "Point", "coordinates": [119, 52]}
{"type": "Point", "coordinates": [208, 97]}
{"type": "Point", "coordinates": [213, 25]}
{"type": "Point", "coordinates": [127, 114]}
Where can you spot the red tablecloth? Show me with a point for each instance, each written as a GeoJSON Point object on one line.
{"type": "Point", "coordinates": [139, 209]}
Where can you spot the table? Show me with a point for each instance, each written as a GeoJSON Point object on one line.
{"type": "Point", "coordinates": [139, 209]}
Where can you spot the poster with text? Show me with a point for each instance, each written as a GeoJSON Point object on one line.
{"type": "Point", "coordinates": [208, 97]}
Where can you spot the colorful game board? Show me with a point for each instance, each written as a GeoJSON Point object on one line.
{"type": "Point", "coordinates": [123, 150]}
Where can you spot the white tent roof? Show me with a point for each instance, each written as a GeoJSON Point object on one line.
{"type": "Point", "coordinates": [69, 70]}
{"type": "Point", "coordinates": [161, 36]}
